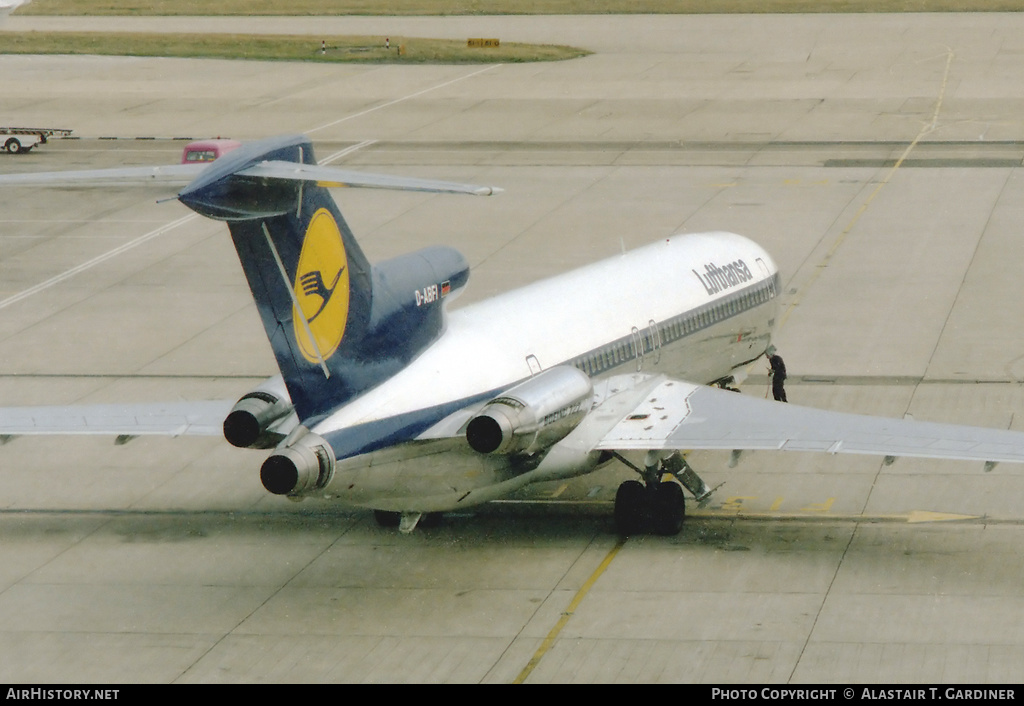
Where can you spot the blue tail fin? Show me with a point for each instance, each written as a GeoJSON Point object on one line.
{"type": "Point", "coordinates": [338, 326]}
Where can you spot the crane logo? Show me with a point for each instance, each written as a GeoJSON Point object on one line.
{"type": "Point", "coordinates": [321, 289]}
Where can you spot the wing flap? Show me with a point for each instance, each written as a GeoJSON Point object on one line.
{"type": "Point", "coordinates": [680, 415]}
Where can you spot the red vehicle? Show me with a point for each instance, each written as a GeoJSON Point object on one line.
{"type": "Point", "coordinates": [207, 150]}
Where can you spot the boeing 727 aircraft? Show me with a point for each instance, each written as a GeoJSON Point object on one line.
{"type": "Point", "coordinates": [388, 400]}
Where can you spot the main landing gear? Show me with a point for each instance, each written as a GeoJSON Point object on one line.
{"type": "Point", "coordinates": [656, 505]}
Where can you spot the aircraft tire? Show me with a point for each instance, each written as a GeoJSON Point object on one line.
{"type": "Point", "coordinates": [631, 505]}
{"type": "Point", "coordinates": [668, 509]}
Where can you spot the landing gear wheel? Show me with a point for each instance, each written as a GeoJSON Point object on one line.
{"type": "Point", "coordinates": [660, 508]}
{"type": "Point", "coordinates": [668, 509]}
{"type": "Point", "coordinates": [631, 508]}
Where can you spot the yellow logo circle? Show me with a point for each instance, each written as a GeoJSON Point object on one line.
{"type": "Point", "coordinates": [321, 289]}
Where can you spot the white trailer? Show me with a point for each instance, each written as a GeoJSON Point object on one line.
{"type": "Point", "coordinates": [21, 139]}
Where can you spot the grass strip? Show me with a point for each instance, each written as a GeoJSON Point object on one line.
{"type": "Point", "coordinates": [345, 49]}
{"type": "Point", "coordinates": [503, 7]}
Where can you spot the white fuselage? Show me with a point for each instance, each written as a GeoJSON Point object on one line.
{"type": "Point", "coordinates": [692, 306]}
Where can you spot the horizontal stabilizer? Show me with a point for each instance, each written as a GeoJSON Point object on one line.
{"type": "Point", "coordinates": [184, 174]}
{"type": "Point", "coordinates": [172, 175]}
{"type": "Point", "coordinates": [335, 177]}
{"type": "Point", "coordinates": [267, 178]}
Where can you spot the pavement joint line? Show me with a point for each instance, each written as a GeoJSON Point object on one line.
{"type": "Point", "coordinates": [343, 513]}
{"type": "Point", "coordinates": [563, 620]}
{"type": "Point", "coordinates": [908, 516]}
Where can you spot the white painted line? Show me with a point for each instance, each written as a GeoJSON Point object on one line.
{"type": "Point", "coordinates": [95, 261]}
{"type": "Point", "coordinates": [345, 152]}
{"type": "Point", "coordinates": [403, 98]}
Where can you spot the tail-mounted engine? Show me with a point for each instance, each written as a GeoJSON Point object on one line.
{"type": "Point", "coordinates": [533, 415]}
{"type": "Point", "coordinates": [303, 466]}
{"type": "Point", "coordinates": [258, 419]}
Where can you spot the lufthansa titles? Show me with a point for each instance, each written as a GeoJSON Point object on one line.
{"type": "Point", "coordinates": [716, 279]}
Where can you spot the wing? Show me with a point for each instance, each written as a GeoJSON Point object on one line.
{"type": "Point", "coordinates": [122, 420]}
{"type": "Point", "coordinates": [679, 415]}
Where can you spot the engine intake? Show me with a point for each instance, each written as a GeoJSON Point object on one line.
{"type": "Point", "coordinates": [533, 415]}
{"type": "Point", "coordinates": [248, 425]}
{"type": "Point", "coordinates": [304, 466]}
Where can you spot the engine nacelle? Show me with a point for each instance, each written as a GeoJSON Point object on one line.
{"type": "Point", "coordinates": [248, 425]}
{"type": "Point", "coordinates": [305, 465]}
{"type": "Point", "coordinates": [533, 415]}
